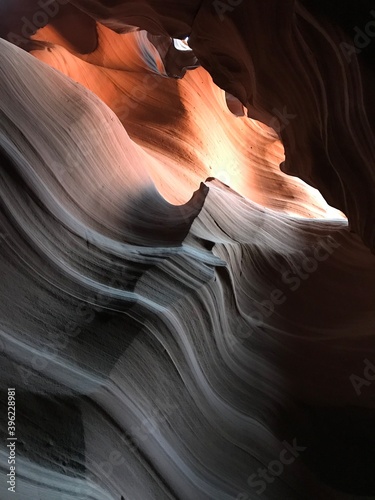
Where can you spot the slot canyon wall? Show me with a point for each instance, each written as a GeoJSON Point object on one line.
{"type": "Point", "coordinates": [187, 249]}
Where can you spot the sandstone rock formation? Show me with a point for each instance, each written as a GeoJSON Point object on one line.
{"type": "Point", "coordinates": [181, 318]}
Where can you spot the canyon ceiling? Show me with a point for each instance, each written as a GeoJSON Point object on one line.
{"type": "Point", "coordinates": [187, 227]}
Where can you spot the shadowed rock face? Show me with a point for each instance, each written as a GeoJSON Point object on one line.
{"type": "Point", "coordinates": [181, 319]}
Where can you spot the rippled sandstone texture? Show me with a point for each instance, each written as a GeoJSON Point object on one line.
{"type": "Point", "coordinates": [270, 56]}
{"type": "Point", "coordinates": [217, 348]}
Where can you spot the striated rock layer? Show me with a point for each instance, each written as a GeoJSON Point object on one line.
{"type": "Point", "coordinates": [283, 60]}
{"type": "Point", "coordinates": [180, 319]}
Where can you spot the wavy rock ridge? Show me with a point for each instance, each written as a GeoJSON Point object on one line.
{"type": "Point", "coordinates": [179, 318]}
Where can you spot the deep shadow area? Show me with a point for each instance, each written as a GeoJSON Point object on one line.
{"type": "Point", "coordinates": [340, 447]}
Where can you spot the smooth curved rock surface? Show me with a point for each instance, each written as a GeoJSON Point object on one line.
{"type": "Point", "coordinates": [270, 59]}
{"type": "Point", "coordinates": [181, 319]}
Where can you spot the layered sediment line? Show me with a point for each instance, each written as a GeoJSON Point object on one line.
{"type": "Point", "coordinates": [181, 319]}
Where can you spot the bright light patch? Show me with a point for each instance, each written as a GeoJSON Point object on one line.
{"type": "Point", "coordinates": [229, 171]}
{"type": "Point", "coordinates": [224, 177]}
{"type": "Point", "coordinates": [181, 44]}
